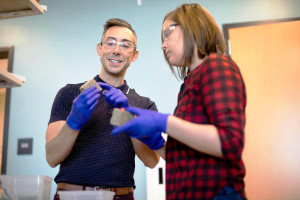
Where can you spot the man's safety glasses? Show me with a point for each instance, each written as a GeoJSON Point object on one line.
{"type": "Point", "coordinates": [125, 46]}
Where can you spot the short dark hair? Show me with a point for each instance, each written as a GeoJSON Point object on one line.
{"type": "Point", "coordinates": [118, 22]}
{"type": "Point", "coordinates": [200, 28]}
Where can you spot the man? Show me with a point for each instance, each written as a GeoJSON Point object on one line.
{"type": "Point", "coordinates": [79, 136]}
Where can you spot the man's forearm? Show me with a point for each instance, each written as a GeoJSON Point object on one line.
{"type": "Point", "coordinates": [60, 140]}
{"type": "Point", "coordinates": [149, 157]}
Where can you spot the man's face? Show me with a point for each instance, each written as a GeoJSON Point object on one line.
{"type": "Point", "coordinates": [115, 61]}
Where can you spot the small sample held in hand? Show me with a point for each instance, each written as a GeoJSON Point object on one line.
{"type": "Point", "coordinates": [88, 84]}
{"type": "Point", "coordinates": [120, 117]}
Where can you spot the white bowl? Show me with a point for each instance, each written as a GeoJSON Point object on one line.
{"type": "Point", "coordinates": [86, 195]}
{"type": "Point", "coordinates": [26, 186]}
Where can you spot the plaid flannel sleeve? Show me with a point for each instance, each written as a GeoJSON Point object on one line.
{"type": "Point", "coordinates": [224, 98]}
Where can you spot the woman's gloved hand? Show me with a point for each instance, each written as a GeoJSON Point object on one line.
{"type": "Point", "coordinates": [114, 96]}
{"type": "Point", "coordinates": [154, 142]}
{"type": "Point", "coordinates": [146, 126]}
{"type": "Point", "coordinates": [83, 107]}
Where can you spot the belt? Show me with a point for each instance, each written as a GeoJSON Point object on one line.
{"type": "Point", "coordinates": [117, 190]}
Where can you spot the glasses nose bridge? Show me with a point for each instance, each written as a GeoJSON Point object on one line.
{"type": "Point", "coordinates": [164, 35]}
{"type": "Point", "coordinates": [117, 47]}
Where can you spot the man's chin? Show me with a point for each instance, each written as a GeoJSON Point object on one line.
{"type": "Point", "coordinates": [117, 71]}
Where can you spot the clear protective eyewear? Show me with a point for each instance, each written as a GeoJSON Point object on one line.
{"type": "Point", "coordinates": [125, 46]}
{"type": "Point", "coordinates": [168, 31]}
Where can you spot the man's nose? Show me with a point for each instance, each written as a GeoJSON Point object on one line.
{"type": "Point", "coordinates": [117, 49]}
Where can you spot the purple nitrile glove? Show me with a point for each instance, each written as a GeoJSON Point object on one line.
{"type": "Point", "coordinates": [154, 142]}
{"type": "Point", "coordinates": [82, 108]}
{"type": "Point", "coordinates": [114, 96]}
{"type": "Point", "coordinates": [146, 126]}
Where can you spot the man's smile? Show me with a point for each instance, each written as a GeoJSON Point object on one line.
{"type": "Point", "coordinates": [115, 61]}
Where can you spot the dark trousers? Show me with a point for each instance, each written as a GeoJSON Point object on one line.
{"type": "Point", "coordinates": [228, 193]}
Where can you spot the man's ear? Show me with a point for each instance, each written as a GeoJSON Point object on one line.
{"type": "Point", "coordinates": [99, 49]}
{"type": "Point", "coordinates": [135, 55]}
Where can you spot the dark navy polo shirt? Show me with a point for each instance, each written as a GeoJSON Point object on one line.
{"type": "Point", "coordinates": [98, 158]}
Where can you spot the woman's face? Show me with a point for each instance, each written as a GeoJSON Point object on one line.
{"type": "Point", "coordinates": [172, 42]}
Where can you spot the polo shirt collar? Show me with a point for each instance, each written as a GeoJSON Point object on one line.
{"type": "Point", "coordinates": [124, 88]}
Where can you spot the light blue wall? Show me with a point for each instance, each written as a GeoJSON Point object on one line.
{"type": "Point", "coordinates": [59, 47]}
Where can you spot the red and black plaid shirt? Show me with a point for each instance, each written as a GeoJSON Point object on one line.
{"type": "Point", "coordinates": [213, 93]}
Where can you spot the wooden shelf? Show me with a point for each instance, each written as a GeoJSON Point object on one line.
{"type": "Point", "coordinates": [8, 80]}
{"type": "Point", "coordinates": [20, 8]}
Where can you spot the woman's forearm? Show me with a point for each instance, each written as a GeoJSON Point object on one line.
{"type": "Point", "coordinates": [201, 137]}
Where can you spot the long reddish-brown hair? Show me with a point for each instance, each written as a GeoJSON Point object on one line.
{"type": "Point", "coordinates": [199, 28]}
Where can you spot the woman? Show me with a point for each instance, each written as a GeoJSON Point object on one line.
{"type": "Point", "coordinates": [206, 132]}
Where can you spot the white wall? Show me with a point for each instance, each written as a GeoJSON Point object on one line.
{"type": "Point", "coordinates": [59, 47]}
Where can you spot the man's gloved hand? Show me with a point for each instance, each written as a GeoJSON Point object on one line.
{"type": "Point", "coordinates": [114, 96]}
{"type": "Point", "coordinates": [147, 127]}
{"type": "Point", "coordinates": [82, 108]}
